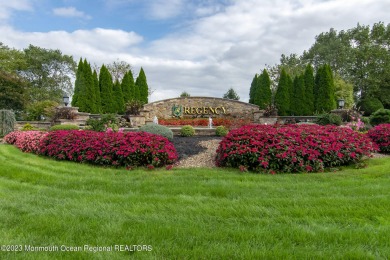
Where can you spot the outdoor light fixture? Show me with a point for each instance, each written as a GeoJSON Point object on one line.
{"type": "Point", "coordinates": [66, 100]}
{"type": "Point", "coordinates": [340, 103]}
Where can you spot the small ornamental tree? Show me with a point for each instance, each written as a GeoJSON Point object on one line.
{"type": "Point", "coordinates": [231, 94]}
{"type": "Point", "coordinates": [282, 96]}
{"type": "Point", "coordinates": [7, 121]}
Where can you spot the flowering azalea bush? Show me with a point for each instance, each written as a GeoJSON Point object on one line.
{"type": "Point", "coordinates": [12, 137]}
{"type": "Point", "coordinates": [380, 134]}
{"type": "Point", "coordinates": [29, 141]}
{"type": "Point", "coordinates": [292, 148]}
{"type": "Point", "coordinates": [117, 149]}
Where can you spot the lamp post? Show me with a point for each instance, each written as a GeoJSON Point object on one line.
{"type": "Point", "coordinates": [341, 103]}
{"type": "Point", "coordinates": [66, 100]}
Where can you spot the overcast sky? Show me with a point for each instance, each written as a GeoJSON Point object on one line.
{"type": "Point", "coordinates": [203, 47]}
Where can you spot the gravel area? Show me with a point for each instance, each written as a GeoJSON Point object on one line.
{"type": "Point", "coordinates": [197, 151]}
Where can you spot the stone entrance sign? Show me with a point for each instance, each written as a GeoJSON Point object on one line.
{"type": "Point", "coordinates": [191, 107]}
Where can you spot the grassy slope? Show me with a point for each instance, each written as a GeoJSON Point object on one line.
{"type": "Point", "coordinates": [188, 213]}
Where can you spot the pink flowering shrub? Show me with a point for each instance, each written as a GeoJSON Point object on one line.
{"type": "Point", "coordinates": [12, 137]}
{"type": "Point", "coordinates": [29, 141]}
{"type": "Point", "coordinates": [380, 134]}
{"type": "Point", "coordinates": [292, 148]}
{"type": "Point", "coordinates": [117, 149]}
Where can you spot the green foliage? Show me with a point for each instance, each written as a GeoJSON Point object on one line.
{"type": "Point", "coordinates": [381, 116]}
{"type": "Point", "coordinates": [297, 107]}
{"type": "Point", "coordinates": [369, 105]}
{"type": "Point", "coordinates": [231, 94]}
{"type": "Point", "coordinates": [106, 86]}
{"type": "Point", "coordinates": [344, 90]}
{"type": "Point", "coordinates": [187, 130]}
{"type": "Point", "coordinates": [282, 96]}
{"type": "Point", "coordinates": [158, 130]}
{"type": "Point", "coordinates": [100, 125]}
{"type": "Point", "coordinates": [36, 110]}
{"type": "Point", "coordinates": [328, 119]}
{"type": "Point", "coordinates": [263, 94]}
{"type": "Point", "coordinates": [142, 85]}
{"type": "Point", "coordinates": [252, 90]}
{"type": "Point", "coordinates": [118, 98]}
{"type": "Point", "coordinates": [96, 89]}
{"type": "Point", "coordinates": [64, 127]}
{"type": "Point", "coordinates": [185, 94]}
{"type": "Point", "coordinates": [324, 98]}
{"type": "Point", "coordinates": [12, 91]}
{"type": "Point", "coordinates": [48, 72]}
{"type": "Point", "coordinates": [28, 127]}
{"type": "Point", "coordinates": [128, 87]}
{"type": "Point", "coordinates": [63, 113]}
{"type": "Point", "coordinates": [118, 69]}
{"type": "Point", "coordinates": [133, 107]}
{"type": "Point", "coordinates": [308, 100]}
{"type": "Point", "coordinates": [86, 95]}
{"type": "Point", "coordinates": [221, 131]}
{"type": "Point", "coordinates": [7, 122]}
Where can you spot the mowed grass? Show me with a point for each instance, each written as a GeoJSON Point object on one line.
{"type": "Point", "coordinates": [192, 213]}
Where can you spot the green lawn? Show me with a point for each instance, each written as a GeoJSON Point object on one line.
{"type": "Point", "coordinates": [192, 214]}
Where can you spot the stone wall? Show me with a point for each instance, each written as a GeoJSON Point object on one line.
{"type": "Point", "coordinates": [192, 107]}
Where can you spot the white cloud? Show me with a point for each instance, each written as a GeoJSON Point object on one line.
{"type": "Point", "coordinates": [164, 9]}
{"type": "Point", "coordinates": [8, 7]}
{"type": "Point", "coordinates": [70, 12]}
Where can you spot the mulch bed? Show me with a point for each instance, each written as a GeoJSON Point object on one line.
{"type": "Point", "coordinates": [189, 146]}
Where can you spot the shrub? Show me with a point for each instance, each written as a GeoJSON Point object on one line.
{"type": "Point", "coordinates": [28, 127]}
{"type": "Point", "coordinates": [381, 116]}
{"type": "Point", "coordinates": [158, 130]}
{"type": "Point", "coordinates": [116, 149]}
{"type": "Point", "coordinates": [101, 125]}
{"type": "Point", "coordinates": [64, 127]}
{"type": "Point", "coordinates": [12, 137]}
{"type": "Point", "coordinates": [370, 105]}
{"type": "Point", "coordinates": [7, 122]}
{"type": "Point", "coordinates": [328, 119]}
{"type": "Point", "coordinates": [380, 134]}
{"type": "Point", "coordinates": [133, 107]}
{"type": "Point", "coordinates": [221, 131]}
{"type": "Point", "coordinates": [38, 109]}
{"type": "Point", "coordinates": [29, 141]}
{"type": "Point", "coordinates": [187, 130]}
{"type": "Point", "coordinates": [292, 148]}
{"type": "Point", "coordinates": [64, 113]}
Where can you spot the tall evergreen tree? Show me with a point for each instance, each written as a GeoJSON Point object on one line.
{"type": "Point", "coordinates": [298, 105]}
{"type": "Point", "coordinates": [105, 84]}
{"type": "Point", "coordinates": [309, 88]}
{"type": "Point", "coordinates": [324, 90]}
{"type": "Point", "coordinates": [263, 94]}
{"type": "Point", "coordinates": [252, 90]}
{"type": "Point", "coordinates": [142, 85]}
{"type": "Point", "coordinates": [128, 87]}
{"type": "Point", "coordinates": [282, 96]}
{"type": "Point", "coordinates": [78, 86]}
{"type": "Point", "coordinates": [118, 97]}
{"type": "Point", "coordinates": [89, 95]}
{"type": "Point", "coordinates": [98, 102]}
